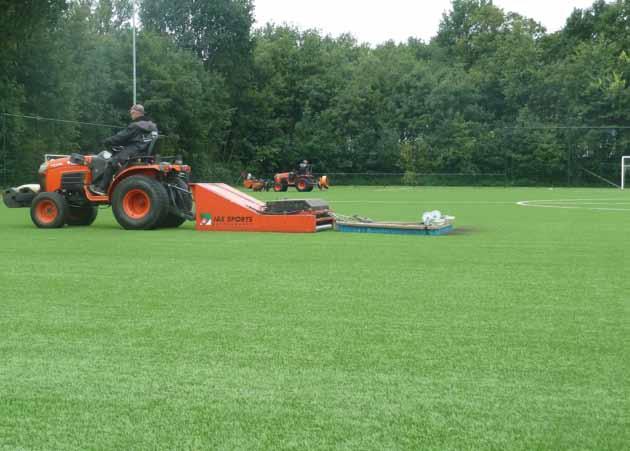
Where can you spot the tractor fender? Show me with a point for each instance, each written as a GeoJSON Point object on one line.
{"type": "Point", "coordinates": [147, 170]}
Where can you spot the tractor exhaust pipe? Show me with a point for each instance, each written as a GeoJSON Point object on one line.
{"type": "Point", "coordinates": [20, 197]}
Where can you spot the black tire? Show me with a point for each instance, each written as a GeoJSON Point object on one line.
{"type": "Point", "coordinates": [303, 185]}
{"type": "Point", "coordinates": [81, 216]}
{"type": "Point", "coordinates": [183, 200]}
{"type": "Point", "coordinates": [140, 203]}
{"type": "Point", "coordinates": [183, 203]}
{"type": "Point", "coordinates": [280, 187]}
{"type": "Point", "coordinates": [49, 210]}
{"type": "Point", "coordinates": [172, 221]}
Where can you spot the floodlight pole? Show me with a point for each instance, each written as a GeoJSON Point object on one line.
{"type": "Point", "coordinates": [133, 21]}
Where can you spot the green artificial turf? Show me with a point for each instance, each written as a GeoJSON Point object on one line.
{"type": "Point", "coordinates": [512, 333]}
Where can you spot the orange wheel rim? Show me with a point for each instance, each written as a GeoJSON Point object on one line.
{"type": "Point", "coordinates": [46, 211]}
{"type": "Point", "coordinates": [302, 185]}
{"type": "Point", "coordinates": [136, 204]}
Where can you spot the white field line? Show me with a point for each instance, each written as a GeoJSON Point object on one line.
{"type": "Point", "coordinates": [424, 201]}
{"type": "Point", "coordinates": [576, 200]}
{"type": "Point", "coordinates": [383, 190]}
{"type": "Point", "coordinates": [584, 206]}
{"type": "Point", "coordinates": [603, 202]}
{"type": "Point", "coordinates": [413, 188]}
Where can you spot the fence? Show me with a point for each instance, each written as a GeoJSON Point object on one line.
{"type": "Point", "coordinates": [565, 156]}
{"type": "Point", "coordinates": [416, 179]}
{"type": "Point", "coordinates": [534, 156]}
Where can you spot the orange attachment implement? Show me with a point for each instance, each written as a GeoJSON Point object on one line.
{"type": "Point", "coordinates": [220, 207]}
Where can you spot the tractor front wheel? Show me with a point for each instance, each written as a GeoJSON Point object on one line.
{"type": "Point", "coordinates": [49, 210]}
{"type": "Point", "coordinates": [140, 203]}
{"type": "Point", "coordinates": [280, 187]}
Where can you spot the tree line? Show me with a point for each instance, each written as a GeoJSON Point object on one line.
{"type": "Point", "coordinates": [492, 92]}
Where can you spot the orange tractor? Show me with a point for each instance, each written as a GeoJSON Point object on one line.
{"type": "Point", "coordinates": [148, 192]}
{"type": "Point", "coordinates": [256, 184]}
{"type": "Point", "coordinates": [303, 179]}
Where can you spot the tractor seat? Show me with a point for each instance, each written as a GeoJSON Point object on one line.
{"type": "Point", "coordinates": [147, 154]}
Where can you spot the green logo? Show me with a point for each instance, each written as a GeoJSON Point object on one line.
{"type": "Point", "coordinates": [206, 219]}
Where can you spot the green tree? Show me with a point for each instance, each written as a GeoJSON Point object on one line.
{"type": "Point", "coordinates": [217, 31]}
{"type": "Point", "coordinates": [470, 29]}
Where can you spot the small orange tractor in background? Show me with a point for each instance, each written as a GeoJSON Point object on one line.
{"type": "Point", "coordinates": [303, 179]}
{"type": "Point", "coordinates": [251, 182]}
{"type": "Point", "coordinates": [148, 192]}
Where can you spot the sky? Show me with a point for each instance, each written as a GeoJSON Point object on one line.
{"type": "Point", "coordinates": [376, 21]}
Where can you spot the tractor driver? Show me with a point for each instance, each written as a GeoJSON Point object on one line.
{"type": "Point", "coordinates": [303, 167]}
{"type": "Point", "coordinates": [133, 140]}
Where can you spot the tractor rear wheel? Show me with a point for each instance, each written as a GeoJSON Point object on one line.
{"type": "Point", "coordinates": [140, 203]}
{"type": "Point", "coordinates": [49, 210]}
{"type": "Point", "coordinates": [172, 221]}
{"type": "Point", "coordinates": [304, 185]}
{"type": "Point", "coordinates": [81, 216]}
{"type": "Point", "coordinates": [183, 202]}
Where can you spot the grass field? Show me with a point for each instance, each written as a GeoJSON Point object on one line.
{"type": "Point", "coordinates": [512, 333]}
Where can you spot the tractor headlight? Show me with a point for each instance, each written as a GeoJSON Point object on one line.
{"type": "Point", "coordinates": [43, 167]}
{"type": "Point", "coordinates": [165, 167]}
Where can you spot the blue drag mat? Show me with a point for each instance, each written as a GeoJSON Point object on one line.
{"type": "Point", "coordinates": [389, 230]}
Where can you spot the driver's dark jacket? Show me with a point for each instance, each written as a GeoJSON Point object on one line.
{"type": "Point", "coordinates": [135, 137]}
